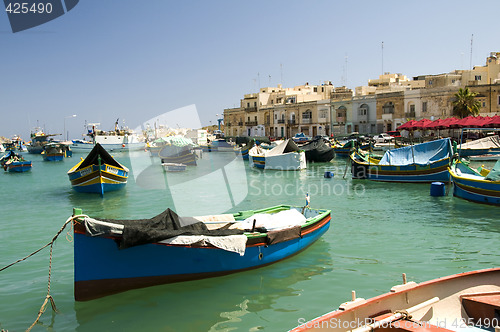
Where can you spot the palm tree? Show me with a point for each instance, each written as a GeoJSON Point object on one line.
{"type": "Point", "coordinates": [465, 103]}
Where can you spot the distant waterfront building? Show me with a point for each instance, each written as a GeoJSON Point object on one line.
{"type": "Point", "coordinates": [383, 105]}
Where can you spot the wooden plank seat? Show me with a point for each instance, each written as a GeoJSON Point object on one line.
{"type": "Point", "coordinates": [483, 308]}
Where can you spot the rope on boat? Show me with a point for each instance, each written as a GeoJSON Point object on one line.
{"type": "Point", "coordinates": [51, 244]}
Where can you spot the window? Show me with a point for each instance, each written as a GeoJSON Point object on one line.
{"type": "Point", "coordinates": [363, 110]}
{"type": "Point", "coordinates": [307, 115]}
{"type": "Point", "coordinates": [424, 106]}
{"type": "Point", "coordinates": [323, 114]}
{"type": "Point", "coordinates": [412, 108]}
{"type": "Point", "coordinates": [484, 104]}
{"type": "Point", "coordinates": [315, 89]}
{"type": "Point", "coordinates": [498, 100]}
{"type": "Point", "coordinates": [248, 104]}
{"type": "Point", "coordinates": [254, 104]}
{"type": "Point", "coordinates": [388, 108]}
{"type": "Point", "coordinates": [477, 78]}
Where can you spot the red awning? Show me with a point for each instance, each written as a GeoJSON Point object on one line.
{"type": "Point", "coordinates": [406, 125]}
{"type": "Point", "coordinates": [421, 124]}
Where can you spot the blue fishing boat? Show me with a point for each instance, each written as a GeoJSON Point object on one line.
{"type": "Point", "coordinates": [99, 172]}
{"type": "Point", "coordinates": [56, 151]}
{"type": "Point", "coordinates": [480, 186]}
{"type": "Point", "coordinates": [15, 163]}
{"type": "Point", "coordinates": [344, 150]}
{"type": "Point", "coordinates": [426, 162]}
{"type": "Point", "coordinates": [112, 256]}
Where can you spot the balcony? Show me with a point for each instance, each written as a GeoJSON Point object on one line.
{"type": "Point", "coordinates": [387, 116]}
{"type": "Point", "coordinates": [281, 121]}
{"type": "Point", "coordinates": [292, 122]}
{"type": "Point", "coordinates": [306, 121]}
{"type": "Point", "coordinates": [410, 114]}
{"type": "Point", "coordinates": [240, 123]}
{"type": "Point", "coordinates": [250, 109]}
{"type": "Point", "coordinates": [340, 119]}
{"type": "Point", "coordinates": [250, 123]}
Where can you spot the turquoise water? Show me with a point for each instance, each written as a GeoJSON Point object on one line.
{"type": "Point", "coordinates": [378, 231]}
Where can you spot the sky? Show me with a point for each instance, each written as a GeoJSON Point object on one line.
{"type": "Point", "coordinates": [135, 60]}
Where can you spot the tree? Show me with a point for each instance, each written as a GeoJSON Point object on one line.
{"type": "Point", "coordinates": [465, 103]}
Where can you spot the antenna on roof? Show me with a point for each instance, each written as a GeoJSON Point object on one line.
{"type": "Point", "coordinates": [382, 58]}
{"type": "Point", "coordinates": [471, 39]}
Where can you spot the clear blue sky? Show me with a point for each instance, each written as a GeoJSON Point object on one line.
{"type": "Point", "coordinates": [134, 60]}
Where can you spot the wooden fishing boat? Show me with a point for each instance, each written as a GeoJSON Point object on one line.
{"type": "Point", "coordinates": [425, 162]}
{"type": "Point", "coordinates": [55, 151]}
{"type": "Point", "coordinates": [178, 150]}
{"type": "Point", "coordinates": [15, 163]}
{"type": "Point", "coordinates": [285, 156]}
{"type": "Point", "coordinates": [171, 167]}
{"type": "Point", "coordinates": [467, 301]}
{"type": "Point", "coordinates": [482, 186]}
{"type": "Point", "coordinates": [98, 173]}
{"type": "Point", "coordinates": [482, 146]}
{"type": "Point", "coordinates": [112, 256]}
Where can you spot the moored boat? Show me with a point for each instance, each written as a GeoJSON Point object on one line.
{"type": "Point", "coordinates": [285, 156]}
{"type": "Point", "coordinates": [482, 146]}
{"type": "Point", "coordinates": [467, 301]}
{"type": "Point", "coordinates": [99, 172]}
{"type": "Point", "coordinates": [317, 151]}
{"type": "Point", "coordinates": [482, 186]}
{"type": "Point", "coordinates": [178, 150]}
{"type": "Point", "coordinates": [38, 140]}
{"type": "Point", "coordinates": [118, 140]}
{"type": "Point", "coordinates": [55, 151]}
{"type": "Point", "coordinates": [15, 163]}
{"type": "Point", "coordinates": [172, 167]}
{"type": "Point", "coordinates": [425, 162]}
{"type": "Point", "coordinates": [112, 256]}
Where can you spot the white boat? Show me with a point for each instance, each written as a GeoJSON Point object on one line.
{"type": "Point", "coordinates": [286, 156]}
{"type": "Point", "coordinates": [118, 140]}
{"type": "Point", "coordinates": [173, 167]}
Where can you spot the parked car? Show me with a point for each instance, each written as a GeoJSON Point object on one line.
{"type": "Point", "coordinates": [382, 138]}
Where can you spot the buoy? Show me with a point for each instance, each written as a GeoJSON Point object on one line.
{"type": "Point", "coordinates": [438, 189]}
{"type": "Point", "coordinates": [328, 174]}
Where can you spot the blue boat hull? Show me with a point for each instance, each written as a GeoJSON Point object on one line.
{"type": "Point", "coordinates": [53, 157]}
{"type": "Point", "coordinates": [19, 167]}
{"type": "Point", "coordinates": [102, 269]}
{"type": "Point", "coordinates": [487, 192]}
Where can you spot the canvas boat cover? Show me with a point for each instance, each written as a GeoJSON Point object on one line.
{"type": "Point", "coordinates": [317, 150]}
{"type": "Point", "coordinates": [421, 154]}
{"type": "Point", "coordinates": [285, 147]}
{"type": "Point", "coordinates": [161, 227]}
{"type": "Point", "coordinates": [178, 141]}
{"type": "Point", "coordinates": [494, 174]}
{"type": "Point", "coordinates": [483, 143]}
{"type": "Point", "coordinates": [99, 152]}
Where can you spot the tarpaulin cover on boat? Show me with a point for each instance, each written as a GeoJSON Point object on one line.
{"type": "Point", "coordinates": [285, 147]}
{"type": "Point", "coordinates": [483, 143]}
{"type": "Point", "coordinates": [422, 154]}
{"type": "Point", "coordinates": [99, 152]}
{"type": "Point", "coordinates": [318, 151]}
{"type": "Point", "coordinates": [494, 174]}
{"type": "Point", "coordinates": [163, 226]}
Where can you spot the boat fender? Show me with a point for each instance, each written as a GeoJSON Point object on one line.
{"type": "Point", "coordinates": [329, 174]}
{"type": "Point", "coordinates": [261, 255]}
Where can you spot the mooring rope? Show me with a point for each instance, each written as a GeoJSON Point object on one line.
{"type": "Point", "coordinates": [51, 244]}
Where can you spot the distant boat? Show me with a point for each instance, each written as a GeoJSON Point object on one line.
{"type": "Point", "coordinates": [285, 156]}
{"type": "Point", "coordinates": [15, 163]}
{"type": "Point", "coordinates": [55, 151]}
{"type": "Point", "coordinates": [478, 186]}
{"type": "Point", "coordinates": [98, 173]}
{"type": "Point", "coordinates": [38, 141]}
{"type": "Point", "coordinates": [343, 150]}
{"type": "Point", "coordinates": [466, 301]}
{"type": "Point", "coordinates": [301, 138]}
{"type": "Point", "coordinates": [171, 167]}
{"type": "Point", "coordinates": [482, 146]}
{"type": "Point", "coordinates": [118, 140]}
{"type": "Point", "coordinates": [317, 151]}
{"type": "Point", "coordinates": [178, 150]}
{"type": "Point", "coordinates": [425, 162]}
{"type": "Point", "coordinates": [219, 145]}
{"type": "Point", "coordinates": [112, 256]}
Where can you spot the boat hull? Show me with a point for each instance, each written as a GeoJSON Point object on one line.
{"type": "Point", "coordinates": [19, 167]}
{"type": "Point", "coordinates": [95, 179]}
{"type": "Point", "coordinates": [102, 269]}
{"type": "Point", "coordinates": [443, 304]}
{"type": "Point", "coordinates": [481, 191]}
{"type": "Point", "coordinates": [436, 171]}
{"type": "Point", "coordinates": [291, 161]}
{"type": "Point", "coordinates": [53, 156]}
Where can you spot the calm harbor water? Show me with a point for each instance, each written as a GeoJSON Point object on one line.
{"type": "Point", "coordinates": [378, 231]}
